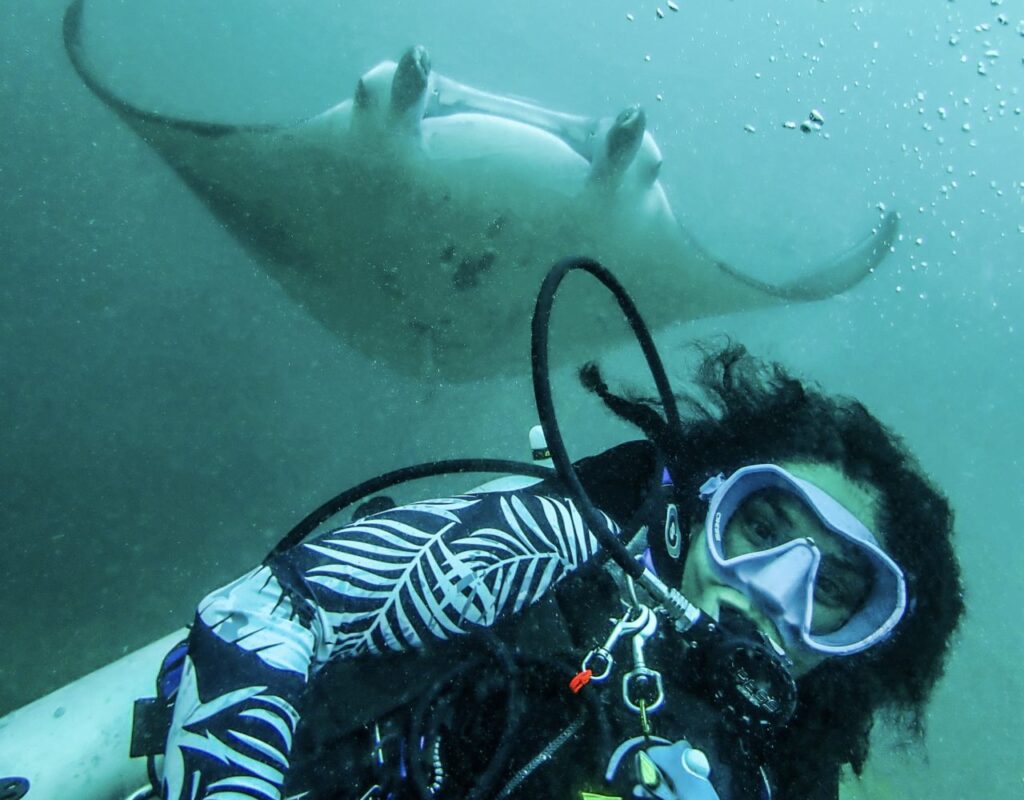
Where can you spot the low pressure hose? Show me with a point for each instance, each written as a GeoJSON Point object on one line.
{"type": "Point", "coordinates": [378, 484]}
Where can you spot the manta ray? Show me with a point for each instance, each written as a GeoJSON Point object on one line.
{"type": "Point", "coordinates": [416, 219]}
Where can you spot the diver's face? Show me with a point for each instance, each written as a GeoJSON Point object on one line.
{"type": "Point", "coordinates": [769, 518]}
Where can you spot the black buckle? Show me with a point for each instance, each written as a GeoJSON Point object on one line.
{"type": "Point", "coordinates": [151, 720]}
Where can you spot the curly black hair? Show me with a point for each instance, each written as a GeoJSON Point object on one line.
{"type": "Point", "coordinates": [747, 411]}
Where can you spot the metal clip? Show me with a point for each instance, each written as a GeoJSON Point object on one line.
{"type": "Point", "coordinates": [643, 690]}
{"type": "Point", "coordinates": [603, 655]}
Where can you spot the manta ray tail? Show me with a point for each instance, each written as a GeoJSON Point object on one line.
{"type": "Point", "coordinates": [841, 273]}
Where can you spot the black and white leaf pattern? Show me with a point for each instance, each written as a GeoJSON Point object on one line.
{"type": "Point", "coordinates": [439, 568]}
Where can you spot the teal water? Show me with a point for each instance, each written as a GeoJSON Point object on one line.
{"type": "Point", "coordinates": [167, 412]}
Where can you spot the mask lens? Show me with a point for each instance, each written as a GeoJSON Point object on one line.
{"type": "Point", "coordinates": [772, 517]}
{"type": "Point", "coordinates": [760, 523]}
{"type": "Point", "coordinates": [843, 583]}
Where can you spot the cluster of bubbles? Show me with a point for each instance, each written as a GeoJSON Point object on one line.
{"type": "Point", "coordinates": [659, 14]}
{"type": "Point", "coordinates": [958, 119]}
{"type": "Point", "coordinates": [672, 6]}
{"type": "Point", "coordinates": [815, 121]}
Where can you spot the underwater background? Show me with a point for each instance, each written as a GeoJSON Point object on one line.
{"type": "Point", "coordinates": [167, 413]}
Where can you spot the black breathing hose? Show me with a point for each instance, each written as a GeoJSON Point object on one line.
{"type": "Point", "coordinates": [403, 475]}
{"type": "Point", "coordinates": [546, 406]}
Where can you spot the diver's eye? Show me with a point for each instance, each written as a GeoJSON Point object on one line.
{"type": "Point", "coordinates": [760, 523]}
{"type": "Point", "coordinates": [829, 591]}
{"type": "Point", "coordinates": [840, 588]}
{"type": "Point", "coordinates": [763, 532]}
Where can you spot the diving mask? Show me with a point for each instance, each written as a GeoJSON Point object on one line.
{"type": "Point", "coordinates": [781, 579]}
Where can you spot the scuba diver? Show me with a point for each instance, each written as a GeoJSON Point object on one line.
{"type": "Point", "coordinates": [496, 644]}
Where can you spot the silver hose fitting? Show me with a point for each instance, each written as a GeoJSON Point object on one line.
{"type": "Point", "coordinates": [683, 613]}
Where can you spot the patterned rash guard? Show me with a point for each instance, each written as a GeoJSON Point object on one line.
{"type": "Point", "coordinates": [387, 583]}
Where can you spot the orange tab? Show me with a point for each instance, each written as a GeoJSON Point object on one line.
{"type": "Point", "coordinates": [580, 680]}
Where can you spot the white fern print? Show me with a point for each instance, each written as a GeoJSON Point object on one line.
{"type": "Point", "coordinates": [428, 570]}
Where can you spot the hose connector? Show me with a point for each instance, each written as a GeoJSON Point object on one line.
{"type": "Point", "coordinates": [683, 613]}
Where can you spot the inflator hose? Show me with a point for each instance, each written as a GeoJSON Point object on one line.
{"type": "Point", "coordinates": [546, 407]}
{"type": "Point", "coordinates": [388, 479]}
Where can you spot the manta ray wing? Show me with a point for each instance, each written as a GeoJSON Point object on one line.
{"type": "Point", "coordinates": [837, 275]}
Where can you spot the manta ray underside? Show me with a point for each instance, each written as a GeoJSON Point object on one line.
{"type": "Point", "coordinates": [417, 219]}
